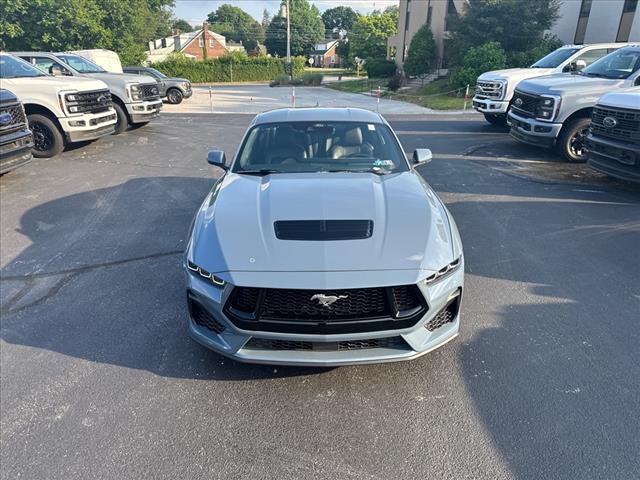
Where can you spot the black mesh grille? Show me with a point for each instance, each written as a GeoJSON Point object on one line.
{"type": "Point", "coordinates": [150, 92]}
{"type": "Point", "coordinates": [525, 103]}
{"type": "Point", "coordinates": [204, 318]}
{"type": "Point", "coordinates": [93, 102]}
{"type": "Point", "coordinates": [627, 123]}
{"type": "Point", "coordinates": [405, 298]}
{"type": "Point", "coordinates": [323, 230]}
{"type": "Point", "coordinates": [267, 344]}
{"type": "Point", "coordinates": [17, 116]}
{"type": "Point", "coordinates": [446, 315]}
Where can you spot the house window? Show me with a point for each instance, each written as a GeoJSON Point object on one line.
{"type": "Point", "coordinates": [200, 42]}
{"type": "Point", "coordinates": [583, 19]}
{"type": "Point", "coordinates": [429, 15]}
{"type": "Point", "coordinates": [333, 59]}
{"type": "Point", "coordinates": [628, 11]}
{"type": "Point", "coordinates": [211, 42]}
{"type": "Point", "coordinates": [406, 23]}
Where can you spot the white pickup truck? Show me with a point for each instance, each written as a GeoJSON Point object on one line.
{"type": "Point", "coordinates": [136, 98]}
{"type": "Point", "coordinates": [494, 90]}
{"type": "Point", "coordinates": [59, 110]}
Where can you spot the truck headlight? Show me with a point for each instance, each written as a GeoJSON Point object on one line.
{"type": "Point", "coordinates": [204, 274]}
{"type": "Point", "coordinates": [135, 92]}
{"type": "Point", "coordinates": [444, 271]}
{"type": "Point", "coordinates": [503, 88]}
{"type": "Point", "coordinates": [71, 97]}
{"type": "Point", "coordinates": [547, 108]}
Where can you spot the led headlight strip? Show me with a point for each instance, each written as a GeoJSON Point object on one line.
{"type": "Point", "coordinates": [205, 274]}
{"type": "Point", "coordinates": [444, 271]}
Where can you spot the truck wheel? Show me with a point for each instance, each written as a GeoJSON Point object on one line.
{"type": "Point", "coordinates": [174, 96]}
{"type": "Point", "coordinates": [47, 138]}
{"type": "Point", "coordinates": [571, 141]}
{"type": "Point", "coordinates": [122, 120]}
{"type": "Point", "coordinates": [499, 119]}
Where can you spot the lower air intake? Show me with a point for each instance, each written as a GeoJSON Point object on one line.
{"type": "Point", "coordinates": [204, 318]}
{"type": "Point", "coordinates": [446, 315]}
{"type": "Point", "coordinates": [267, 344]}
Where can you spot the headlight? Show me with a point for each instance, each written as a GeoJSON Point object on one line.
{"type": "Point", "coordinates": [70, 97]}
{"type": "Point", "coordinates": [503, 88]}
{"type": "Point", "coordinates": [135, 92]}
{"type": "Point", "coordinates": [547, 108]}
{"type": "Point", "coordinates": [444, 271]}
{"type": "Point", "coordinates": [217, 281]}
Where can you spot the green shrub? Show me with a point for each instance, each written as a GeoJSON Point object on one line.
{"type": "Point", "coordinates": [312, 79]}
{"type": "Point", "coordinates": [525, 59]}
{"type": "Point", "coordinates": [230, 68]}
{"type": "Point", "coordinates": [379, 68]}
{"type": "Point", "coordinates": [478, 60]}
{"type": "Point", "coordinates": [280, 80]}
{"type": "Point", "coordinates": [395, 82]}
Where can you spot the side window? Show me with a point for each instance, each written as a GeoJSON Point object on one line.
{"type": "Point", "coordinates": [591, 56]}
{"type": "Point", "coordinates": [49, 66]}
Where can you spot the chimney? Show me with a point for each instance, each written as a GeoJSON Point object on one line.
{"type": "Point", "coordinates": [205, 26]}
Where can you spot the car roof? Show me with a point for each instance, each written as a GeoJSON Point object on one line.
{"type": "Point", "coordinates": [318, 114]}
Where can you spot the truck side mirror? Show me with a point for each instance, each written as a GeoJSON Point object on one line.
{"type": "Point", "coordinates": [422, 155]}
{"type": "Point", "coordinates": [218, 159]}
{"type": "Point", "coordinates": [578, 65]}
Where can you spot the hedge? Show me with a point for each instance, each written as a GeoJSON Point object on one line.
{"type": "Point", "coordinates": [379, 67]}
{"type": "Point", "coordinates": [231, 68]}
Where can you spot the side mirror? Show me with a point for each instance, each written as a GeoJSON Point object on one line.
{"type": "Point", "coordinates": [217, 158]}
{"type": "Point", "coordinates": [422, 155]}
{"type": "Point", "coordinates": [55, 71]}
{"type": "Point", "coordinates": [578, 65]}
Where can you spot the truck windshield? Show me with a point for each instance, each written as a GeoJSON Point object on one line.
{"type": "Point", "coordinates": [555, 58]}
{"type": "Point", "coordinates": [12, 67]}
{"type": "Point", "coordinates": [81, 64]}
{"type": "Point", "coordinates": [157, 73]}
{"type": "Point", "coordinates": [617, 65]}
{"type": "Point", "coordinates": [327, 146]}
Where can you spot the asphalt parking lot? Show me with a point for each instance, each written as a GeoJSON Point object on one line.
{"type": "Point", "coordinates": [100, 380]}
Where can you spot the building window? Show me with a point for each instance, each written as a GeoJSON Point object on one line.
{"type": "Point", "coordinates": [406, 22]}
{"type": "Point", "coordinates": [200, 42]}
{"type": "Point", "coordinates": [451, 14]}
{"type": "Point", "coordinates": [583, 19]}
{"type": "Point", "coordinates": [211, 42]}
{"type": "Point", "coordinates": [429, 15]}
{"type": "Point", "coordinates": [628, 12]}
{"type": "Point", "coordinates": [333, 59]}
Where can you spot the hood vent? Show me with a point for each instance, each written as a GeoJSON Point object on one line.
{"type": "Point", "coordinates": [323, 230]}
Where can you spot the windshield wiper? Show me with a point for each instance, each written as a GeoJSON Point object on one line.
{"type": "Point", "coordinates": [260, 172]}
{"type": "Point", "coordinates": [589, 74]}
{"type": "Point", "coordinates": [374, 170]}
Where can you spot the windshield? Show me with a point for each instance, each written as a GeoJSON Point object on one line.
{"type": "Point", "coordinates": [156, 73]}
{"type": "Point", "coordinates": [12, 67]}
{"type": "Point", "coordinates": [555, 58]}
{"type": "Point", "coordinates": [294, 147]}
{"type": "Point", "coordinates": [81, 64]}
{"type": "Point", "coordinates": [617, 65]}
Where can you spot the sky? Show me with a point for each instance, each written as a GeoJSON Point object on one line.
{"type": "Point", "coordinates": [195, 11]}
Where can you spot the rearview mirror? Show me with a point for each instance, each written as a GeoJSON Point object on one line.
{"type": "Point", "coordinates": [217, 158]}
{"type": "Point", "coordinates": [422, 155]}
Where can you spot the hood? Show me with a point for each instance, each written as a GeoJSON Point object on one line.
{"type": "Point", "coordinates": [627, 98]}
{"type": "Point", "coordinates": [173, 79]}
{"type": "Point", "coordinates": [234, 229]}
{"type": "Point", "coordinates": [562, 83]}
{"type": "Point", "coordinates": [61, 83]}
{"type": "Point", "coordinates": [514, 74]}
{"type": "Point", "coordinates": [123, 78]}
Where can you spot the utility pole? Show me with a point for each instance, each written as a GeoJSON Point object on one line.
{"type": "Point", "coordinates": [289, 69]}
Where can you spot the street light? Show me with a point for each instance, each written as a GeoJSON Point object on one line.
{"type": "Point", "coordinates": [286, 14]}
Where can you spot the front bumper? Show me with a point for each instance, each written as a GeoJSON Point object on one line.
{"type": "Point", "coordinates": [89, 126]}
{"type": "Point", "coordinates": [614, 158]}
{"type": "Point", "coordinates": [187, 93]}
{"type": "Point", "coordinates": [142, 112]}
{"type": "Point", "coordinates": [485, 105]}
{"type": "Point", "coordinates": [15, 149]}
{"type": "Point", "coordinates": [532, 131]}
{"type": "Point", "coordinates": [412, 342]}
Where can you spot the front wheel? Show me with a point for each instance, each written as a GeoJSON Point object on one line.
{"type": "Point", "coordinates": [47, 138]}
{"type": "Point", "coordinates": [122, 121]}
{"type": "Point", "coordinates": [572, 140]}
{"type": "Point", "coordinates": [174, 96]}
{"type": "Point", "coordinates": [498, 119]}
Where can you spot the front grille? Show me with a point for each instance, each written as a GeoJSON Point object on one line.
{"type": "Point", "coordinates": [96, 101]}
{"type": "Point", "coordinates": [323, 230]}
{"type": "Point", "coordinates": [525, 103]}
{"type": "Point", "coordinates": [325, 311]}
{"type": "Point", "coordinates": [489, 90]}
{"type": "Point", "coordinates": [17, 117]}
{"type": "Point", "coordinates": [446, 315]}
{"type": "Point", "coordinates": [350, 345]}
{"type": "Point", "coordinates": [627, 123]}
{"type": "Point", "coordinates": [150, 92]}
{"type": "Point", "coordinates": [204, 318]}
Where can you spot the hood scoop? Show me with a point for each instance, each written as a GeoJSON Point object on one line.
{"type": "Point", "coordinates": [323, 230]}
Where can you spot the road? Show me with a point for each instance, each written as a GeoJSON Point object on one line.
{"type": "Point", "coordinates": [100, 380]}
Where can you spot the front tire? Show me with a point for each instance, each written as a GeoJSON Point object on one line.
{"type": "Point", "coordinates": [47, 138]}
{"type": "Point", "coordinates": [497, 119]}
{"type": "Point", "coordinates": [122, 120]}
{"type": "Point", "coordinates": [174, 96]}
{"type": "Point", "coordinates": [571, 142]}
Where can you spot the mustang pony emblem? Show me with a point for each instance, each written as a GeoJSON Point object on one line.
{"type": "Point", "coordinates": [327, 300]}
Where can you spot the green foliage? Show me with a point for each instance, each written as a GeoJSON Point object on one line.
{"type": "Point", "coordinates": [182, 25]}
{"type": "Point", "coordinates": [236, 25]}
{"type": "Point", "coordinates": [395, 82]}
{"type": "Point", "coordinates": [380, 68]}
{"type": "Point", "coordinates": [339, 20]}
{"type": "Point", "coordinates": [237, 68]}
{"type": "Point", "coordinates": [422, 53]}
{"type": "Point", "coordinates": [368, 37]}
{"type": "Point", "coordinates": [306, 30]}
{"type": "Point", "coordinates": [511, 23]}
{"type": "Point", "coordinates": [478, 60]}
{"type": "Point", "coordinates": [312, 79]}
{"type": "Point", "coordinates": [308, 79]}
{"type": "Point", "coordinates": [525, 59]}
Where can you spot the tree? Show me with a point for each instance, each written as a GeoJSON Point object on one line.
{"type": "Point", "coordinates": [236, 25]}
{"type": "Point", "coordinates": [422, 52]}
{"type": "Point", "coordinates": [339, 20]}
{"type": "Point", "coordinates": [486, 57]}
{"type": "Point", "coordinates": [368, 37]}
{"type": "Point", "coordinates": [514, 26]}
{"type": "Point", "coordinates": [306, 29]}
{"type": "Point", "coordinates": [182, 26]}
{"type": "Point", "coordinates": [266, 19]}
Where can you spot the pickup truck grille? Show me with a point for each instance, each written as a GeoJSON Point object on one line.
{"type": "Point", "coordinates": [627, 123]}
{"type": "Point", "coordinates": [15, 119]}
{"type": "Point", "coordinates": [488, 90]}
{"type": "Point", "coordinates": [525, 103]}
{"type": "Point", "coordinates": [96, 101]}
{"type": "Point", "coordinates": [150, 92]}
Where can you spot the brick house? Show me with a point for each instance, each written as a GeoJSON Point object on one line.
{"type": "Point", "coordinates": [192, 45]}
{"type": "Point", "coordinates": [325, 54]}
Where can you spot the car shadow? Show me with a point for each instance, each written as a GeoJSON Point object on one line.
{"type": "Point", "coordinates": [102, 281]}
